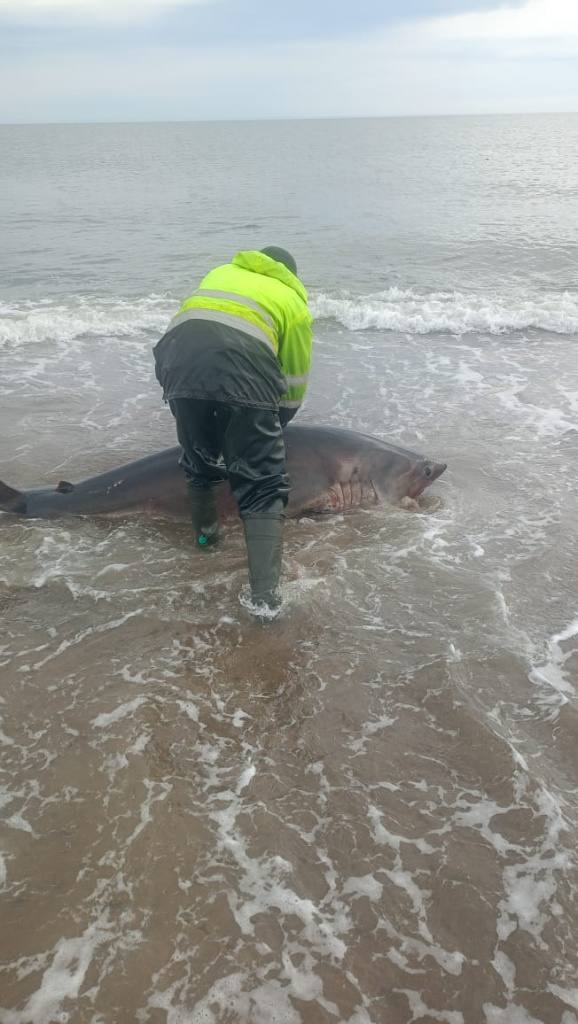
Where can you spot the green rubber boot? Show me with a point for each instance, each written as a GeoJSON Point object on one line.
{"type": "Point", "coordinates": [204, 516]}
{"type": "Point", "coordinates": [264, 538]}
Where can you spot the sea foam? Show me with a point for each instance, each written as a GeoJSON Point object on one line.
{"type": "Point", "coordinates": [407, 311]}
{"type": "Point", "coordinates": [415, 312]}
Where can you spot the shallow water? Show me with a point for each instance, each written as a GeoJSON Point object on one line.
{"type": "Point", "coordinates": [366, 811]}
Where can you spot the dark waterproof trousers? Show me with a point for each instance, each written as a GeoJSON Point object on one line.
{"type": "Point", "coordinates": [240, 443]}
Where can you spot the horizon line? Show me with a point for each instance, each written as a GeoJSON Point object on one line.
{"type": "Point", "coordinates": [265, 120]}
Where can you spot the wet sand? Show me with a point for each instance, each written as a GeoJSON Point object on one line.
{"type": "Point", "coordinates": [365, 812]}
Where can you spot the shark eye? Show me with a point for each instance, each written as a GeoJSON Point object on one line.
{"type": "Point", "coordinates": [427, 470]}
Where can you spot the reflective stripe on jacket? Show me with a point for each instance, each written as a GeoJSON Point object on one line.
{"type": "Point", "coordinates": [262, 298]}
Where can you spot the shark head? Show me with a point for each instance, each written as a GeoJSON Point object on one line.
{"type": "Point", "coordinates": [422, 474]}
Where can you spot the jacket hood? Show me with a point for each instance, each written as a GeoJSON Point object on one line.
{"type": "Point", "coordinates": [260, 263]}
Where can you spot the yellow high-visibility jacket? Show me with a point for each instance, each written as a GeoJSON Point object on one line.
{"type": "Point", "coordinates": [262, 298]}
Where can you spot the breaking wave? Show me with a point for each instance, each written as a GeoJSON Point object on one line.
{"type": "Point", "coordinates": [403, 310]}
{"type": "Point", "coordinates": [412, 312]}
{"type": "Point", "coordinates": [67, 320]}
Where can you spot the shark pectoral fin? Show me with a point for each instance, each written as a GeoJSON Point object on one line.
{"type": "Point", "coordinates": [12, 500]}
{"type": "Point", "coordinates": [64, 487]}
{"type": "Point", "coordinates": [410, 504]}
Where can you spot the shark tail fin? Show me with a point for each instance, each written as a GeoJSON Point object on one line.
{"type": "Point", "coordinates": [12, 500]}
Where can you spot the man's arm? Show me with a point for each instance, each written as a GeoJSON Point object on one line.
{"type": "Point", "coordinates": [295, 357]}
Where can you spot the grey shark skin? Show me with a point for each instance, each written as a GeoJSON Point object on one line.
{"type": "Point", "coordinates": [331, 470]}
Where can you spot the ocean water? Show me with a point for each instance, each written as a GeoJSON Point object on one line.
{"type": "Point", "coordinates": [367, 812]}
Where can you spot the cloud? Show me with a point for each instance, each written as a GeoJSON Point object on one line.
{"type": "Point", "coordinates": [215, 20]}
{"type": "Point", "coordinates": [372, 76]}
{"type": "Point", "coordinates": [31, 11]}
{"type": "Point", "coordinates": [107, 7]}
{"type": "Point", "coordinates": [484, 61]}
{"type": "Point", "coordinates": [538, 29]}
{"type": "Point", "coordinates": [536, 19]}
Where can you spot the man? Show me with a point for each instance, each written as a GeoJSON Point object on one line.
{"type": "Point", "coordinates": [234, 366]}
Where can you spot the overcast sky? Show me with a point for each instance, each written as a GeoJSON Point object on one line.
{"type": "Point", "coordinates": [135, 60]}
